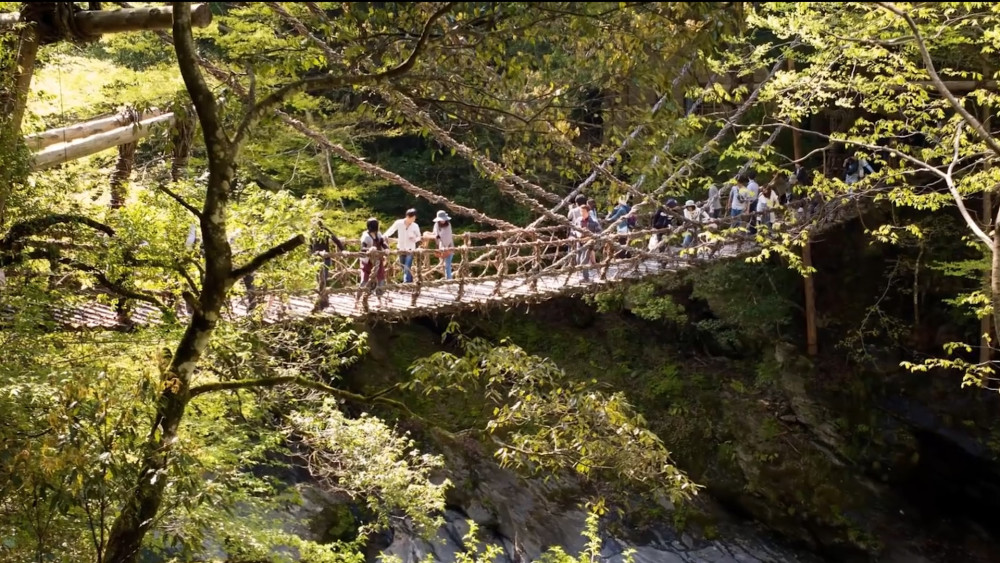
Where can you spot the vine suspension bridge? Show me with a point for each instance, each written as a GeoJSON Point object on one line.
{"type": "Point", "coordinates": [506, 266]}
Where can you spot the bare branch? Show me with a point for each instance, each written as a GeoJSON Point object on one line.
{"type": "Point", "coordinates": [180, 200]}
{"type": "Point", "coordinates": [376, 170]}
{"type": "Point", "coordinates": [114, 287]}
{"type": "Point", "coordinates": [38, 225]}
{"type": "Point", "coordinates": [938, 83]}
{"type": "Point", "coordinates": [329, 81]}
{"type": "Point", "coordinates": [266, 382]}
{"type": "Point", "coordinates": [959, 202]}
{"type": "Point", "coordinates": [268, 255]}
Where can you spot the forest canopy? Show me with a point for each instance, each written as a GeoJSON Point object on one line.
{"type": "Point", "coordinates": [290, 118]}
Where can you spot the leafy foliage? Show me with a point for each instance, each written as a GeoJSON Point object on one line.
{"type": "Point", "coordinates": [546, 422]}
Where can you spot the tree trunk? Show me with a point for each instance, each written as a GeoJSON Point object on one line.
{"type": "Point", "coordinates": [812, 343]}
{"type": "Point", "coordinates": [995, 276]}
{"type": "Point", "coordinates": [14, 96]}
{"type": "Point", "coordinates": [986, 323]}
{"type": "Point", "coordinates": [140, 510]}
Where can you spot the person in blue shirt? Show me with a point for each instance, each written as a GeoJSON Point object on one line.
{"type": "Point", "coordinates": [621, 213]}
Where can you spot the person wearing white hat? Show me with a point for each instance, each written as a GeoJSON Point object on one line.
{"type": "Point", "coordinates": [693, 214]}
{"type": "Point", "coordinates": [445, 240]}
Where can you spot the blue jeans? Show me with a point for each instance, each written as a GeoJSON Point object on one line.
{"type": "Point", "coordinates": [447, 265]}
{"type": "Point", "coordinates": [407, 261]}
{"type": "Point", "coordinates": [583, 258]}
{"type": "Point", "coordinates": [688, 237]}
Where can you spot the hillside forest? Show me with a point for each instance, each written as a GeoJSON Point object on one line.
{"type": "Point", "coordinates": [813, 377]}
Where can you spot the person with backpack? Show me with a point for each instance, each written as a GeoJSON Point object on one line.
{"type": "Point", "coordinates": [584, 224]}
{"type": "Point", "coordinates": [660, 221]}
{"type": "Point", "coordinates": [592, 204]}
{"type": "Point", "coordinates": [574, 211]}
{"type": "Point", "coordinates": [767, 202]}
{"type": "Point", "coordinates": [737, 198]}
{"type": "Point", "coordinates": [372, 240]}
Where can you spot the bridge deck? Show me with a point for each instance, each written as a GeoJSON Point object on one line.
{"type": "Point", "coordinates": [403, 300]}
{"type": "Point", "coordinates": [536, 276]}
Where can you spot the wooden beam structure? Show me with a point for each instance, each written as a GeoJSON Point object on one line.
{"type": "Point", "coordinates": [100, 22]}
{"type": "Point", "coordinates": [64, 152]}
{"type": "Point", "coordinates": [38, 141]}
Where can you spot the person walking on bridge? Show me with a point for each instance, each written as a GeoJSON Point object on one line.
{"type": "Point", "coordinates": [584, 254]}
{"type": "Point", "coordinates": [622, 213]}
{"type": "Point", "coordinates": [407, 240]}
{"type": "Point", "coordinates": [371, 240]}
{"type": "Point", "coordinates": [738, 198]}
{"type": "Point", "coordinates": [696, 215]}
{"type": "Point", "coordinates": [714, 201]}
{"type": "Point", "coordinates": [445, 241]}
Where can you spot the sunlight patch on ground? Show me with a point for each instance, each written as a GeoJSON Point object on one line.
{"type": "Point", "coordinates": [73, 88]}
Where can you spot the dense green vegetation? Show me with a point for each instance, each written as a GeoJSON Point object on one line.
{"type": "Point", "coordinates": [175, 439]}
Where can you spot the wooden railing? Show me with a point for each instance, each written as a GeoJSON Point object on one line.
{"type": "Point", "coordinates": [521, 258]}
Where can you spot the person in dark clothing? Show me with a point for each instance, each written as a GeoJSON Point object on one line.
{"type": "Point", "coordinates": [322, 241]}
{"type": "Point", "coordinates": [661, 220]}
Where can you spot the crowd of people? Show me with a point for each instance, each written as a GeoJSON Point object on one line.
{"type": "Point", "coordinates": [742, 202]}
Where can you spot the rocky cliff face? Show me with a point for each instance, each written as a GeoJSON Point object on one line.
{"type": "Point", "coordinates": [527, 517]}
{"type": "Point", "coordinates": [841, 462]}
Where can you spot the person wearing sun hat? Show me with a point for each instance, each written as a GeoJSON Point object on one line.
{"type": "Point", "coordinates": [695, 215]}
{"type": "Point", "coordinates": [445, 240]}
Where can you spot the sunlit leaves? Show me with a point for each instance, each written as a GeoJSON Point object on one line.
{"type": "Point", "coordinates": [545, 421]}
{"type": "Point", "coordinates": [363, 457]}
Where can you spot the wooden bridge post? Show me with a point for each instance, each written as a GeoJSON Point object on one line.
{"type": "Point", "coordinates": [417, 274]}
{"type": "Point", "coordinates": [537, 252]}
{"type": "Point", "coordinates": [501, 263]}
{"type": "Point", "coordinates": [608, 256]}
{"type": "Point", "coordinates": [463, 267]}
{"type": "Point", "coordinates": [125, 162]}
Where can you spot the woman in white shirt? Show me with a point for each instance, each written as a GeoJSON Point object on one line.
{"type": "Point", "coordinates": [768, 201]}
{"type": "Point", "coordinates": [445, 240]}
{"type": "Point", "coordinates": [696, 215]}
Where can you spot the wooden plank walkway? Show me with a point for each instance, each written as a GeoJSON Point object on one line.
{"type": "Point", "coordinates": [436, 297]}
{"type": "Point", "coordinates": [398, 301]}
